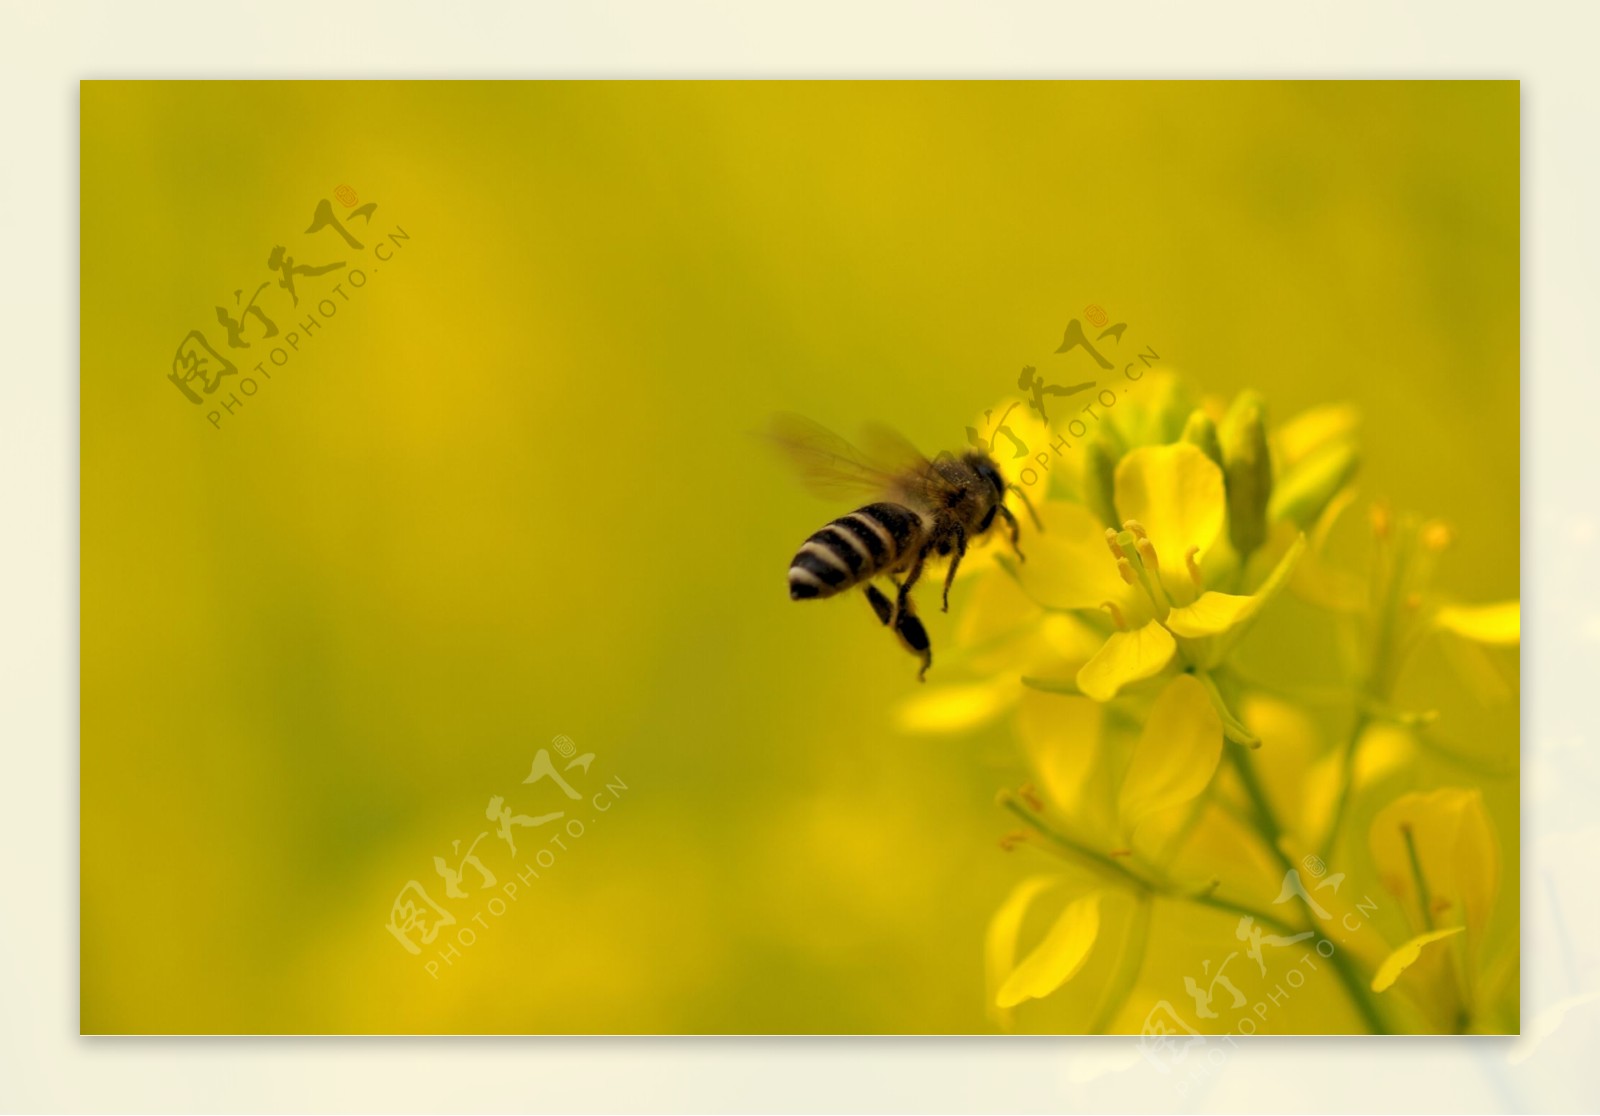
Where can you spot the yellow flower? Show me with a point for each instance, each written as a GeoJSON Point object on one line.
{"type": "Point", "coordinates": [1436, 852]}
{"type": "Point", "coordinates": [1398, 607]}
{"type": "Point", "coordinates": [1315, 461]}
{"type": "Point", "coordinates": [1057, 958]}
{"type": "Point", "coordinates": [1000, 942]}
{"type": "Point", "coordinates": [1153, 588]}
{"type": "Point", "coordinates": [1406, 956]}
{"type": "Point", "coordinates": [1394, 614]}
{"type": "Point", "coordinates": [1173, 494]}
{"type": "Point", "coordinates": [1169, 764]}
{"type": "Point", "coordinates": [1097, 814]}
{"type": "Point", "coordinates": [1498, 625]}
{"type": "Point", "coordinates": [1171, 530]}
{"type": "Point", "coordinates": [1001, 637]}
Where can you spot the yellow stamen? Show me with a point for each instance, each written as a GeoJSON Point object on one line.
{"type": "Point", "coordinates": [1436, 535]}
{"type": "Point", "coordinates": [1136, 527]}
{"type": "Point", "coordinates": [1193, 567]}
{"type": "Point", "coordinates": [1030, 796]}
{"type": "Point", "coordinates": [1379, 518]}
{"type": "Point", "coordinates": [1147, 551]}
{"type": "Point", "coordinates": [1116, 613]}
{"type": "Point", "coordinates": [1111, 541]}
{"type": "Point", "coordinates": [1125, 568]}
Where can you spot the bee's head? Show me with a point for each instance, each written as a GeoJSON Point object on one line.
{"type": "Point", "coordinates": [984, 466]}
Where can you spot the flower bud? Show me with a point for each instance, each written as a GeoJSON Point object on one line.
{"type": "Point", "coordinates": [1248, 470]}
{"type": "Point", "coordinates": [1170, 405]}
{"type": "Point", "coordinates": [1312, 484]}
{"type": "Point", "coordinates": [1201, 431]}
{"type": "Point", "coordinates": [1099, 472]}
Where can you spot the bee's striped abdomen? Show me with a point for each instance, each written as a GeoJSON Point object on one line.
{"type": "Point", "coordinates": [852, 549]}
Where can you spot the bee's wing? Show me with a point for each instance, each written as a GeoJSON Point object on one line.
{"type": "Point", "coordinates": [892, 450]}
{"type": "Point", "coordinates": [920, 482]}
{"type": "Point", "coordinates": [831, 467]}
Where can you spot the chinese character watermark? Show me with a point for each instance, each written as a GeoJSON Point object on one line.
{"type": "Point", "coordinates": [209, 378]}
{"type": "Point", "coordinates": [416, 918]}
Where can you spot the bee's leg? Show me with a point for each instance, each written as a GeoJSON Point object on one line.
{"type": "Point", "coordinates": [900, 604]}
{"type": "Point", "coordinates": [914, 638]}
{"type": "Point", "coordinates": [907, 628]}
{"type": "Point", "coordinates": [1027, 503]}
{"type": "Point", "coordinates": [880, 605]}
{"type": "Point", "coordinates": [955, 561]}
{"type": "Point", "coordinates": [1005, 513]}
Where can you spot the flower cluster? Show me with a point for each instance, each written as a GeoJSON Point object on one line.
{"type": "Point", "coordinates": [1172, 772]}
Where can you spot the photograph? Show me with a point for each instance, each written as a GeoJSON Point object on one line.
{"type": "Point", "coordinates": [730, 559]}
{"type": "Point", "coordinates": [743, 558]}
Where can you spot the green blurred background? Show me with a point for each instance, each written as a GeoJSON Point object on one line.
{"type": "Point", "coordinates": [510, 491]}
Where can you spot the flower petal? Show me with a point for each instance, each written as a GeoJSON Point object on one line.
{"type": "Point", "coordinates": [1401, 959]}
{"type": "Point", "coordinates": [1243, 618]}
{"type": "Point", "coordinates": [1455, 851]}
{"type": "Point", "coordinates": [1176, 492]}
{"type": "Point", "coordinates": [1487, 680]}
{"type": "Point", "coordinates": [1060, 736]}
{"type": "Point", "coordinates": [1499, 624]}
{"type": "Point", "coordinates": [1000, 941]}
{"type": "Point", "coordinates": [1311, 430]}
{"type": "Point", "coordinates": [1176, 755]}
{"type": "Point", "coordinates": [938, 709]}
{"type": "Point", "coordinates": [1127, 657]}
{"type": "Point", "coordinates": [1287, 765]}
{"type": "Point", "coordinates": [1155, 412]}
{"type": "Point", "coordinates": [1228, 616]}
{"type": "Point", "coordinates": [1212, 613]}
{"type": "Point", "coordinates": [1312, 486]}
{"type": "Point", "coordinates": [1011, 433]}
{"type": "Point", "coordinates": [1003, 631]}
{"type": "Point", "coordinates": [1058, 958]}
{"type": "Point", "coordinates": [1320, 583]}
{"type": "Point", "coordinates": [1067, 565]}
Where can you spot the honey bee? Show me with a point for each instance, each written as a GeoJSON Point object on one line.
{"type": "Point", "coordinates": [923, 511]}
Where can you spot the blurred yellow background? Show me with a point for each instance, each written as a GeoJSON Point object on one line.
{"type": "Point", "coordinates": [509, 491]}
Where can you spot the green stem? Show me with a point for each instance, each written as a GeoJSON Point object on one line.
{"type": "Point", "coordinates": [1378, 683]}
{"type": "Point", "coordinates": [1424, 900]}
{"type": "Point", "coordinates": [1347, 773]}
{"type": "Point", "coordinates": [1099, 861]}
{"type": "Point", "coordinates": [1357, 988]}
{"type": "Point", "coordinates": [1120, 872]}
{"type": "Point", "coordinates": [1232, 727]}
{"type": "Point", "coordinates": [1266, 821]}
{"type": "Point", "coordinates": [1130, 959]}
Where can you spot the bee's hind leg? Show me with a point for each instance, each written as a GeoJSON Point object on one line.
{"type": "Point", "coordinates": [914, 638]}
{"type": "Point", "coordinates": [908, 629]}
{"type": "Point", "coordinates": [880, 605]}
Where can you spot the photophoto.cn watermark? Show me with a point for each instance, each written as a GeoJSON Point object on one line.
{"type": "Point", "coordinates": [1170, 1042]}
{"type": "Point", "coordinates": [475, 893]}
{"type": "Point", "coordinates": [1053, 403]}
{"type": "Point", "coordinates": [221, 381]}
